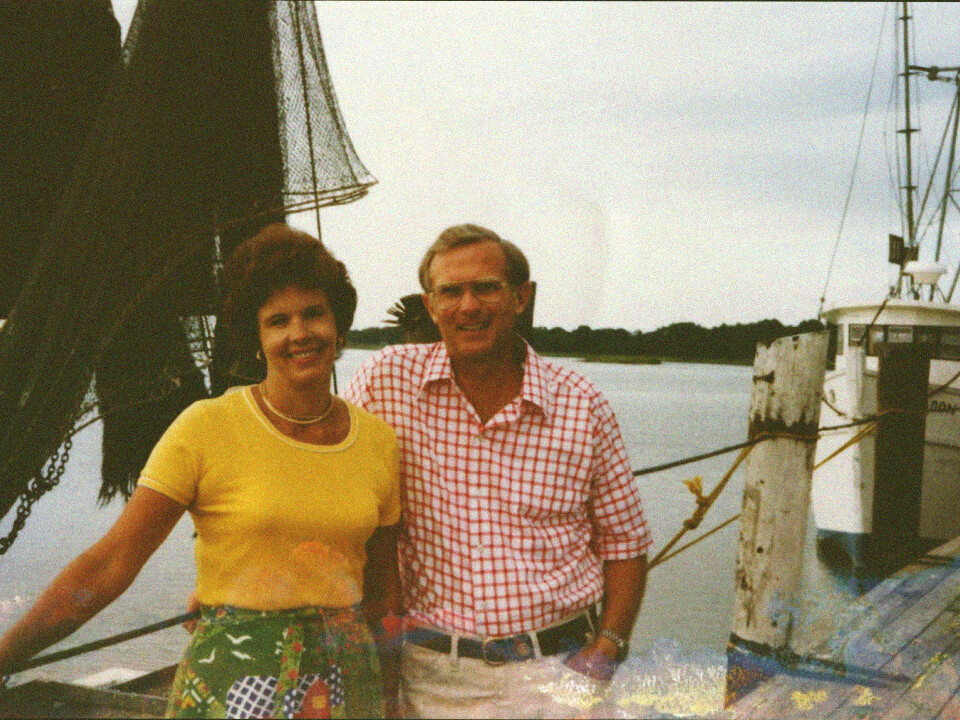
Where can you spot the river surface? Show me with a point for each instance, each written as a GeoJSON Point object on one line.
{"type": "Point", "coordinates": [667, 412]}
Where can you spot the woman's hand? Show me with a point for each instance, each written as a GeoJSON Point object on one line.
{"type": "Point", "coordinates": [193, 605]}
{"type": "Point", "coordinates": [381, 607]}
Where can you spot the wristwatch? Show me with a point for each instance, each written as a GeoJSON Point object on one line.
{"type": "Point", "coordinates": [622, 645]}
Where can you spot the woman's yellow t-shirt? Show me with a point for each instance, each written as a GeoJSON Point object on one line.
{"type": "Point", "coordinates": [280, 523]}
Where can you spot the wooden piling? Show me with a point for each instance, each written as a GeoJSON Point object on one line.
{"type": "Point", "coordinates": [785, 405]}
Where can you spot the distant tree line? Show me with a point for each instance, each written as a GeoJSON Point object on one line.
{"type": "Point", "coordinates": [678, 341]}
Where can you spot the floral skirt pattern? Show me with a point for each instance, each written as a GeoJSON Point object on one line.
{"type": "Point", "coordinates": [304, 663]}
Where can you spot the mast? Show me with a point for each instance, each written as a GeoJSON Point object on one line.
{"type": "Point", "coordinates": [908, 130]}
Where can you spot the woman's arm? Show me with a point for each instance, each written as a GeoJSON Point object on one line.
{"type": "Point", "coordinates": [381, 576]}
{"type": "Point", "coordinates": [94, 579]}
{"type": "Point", "coordinates": [382, 606]}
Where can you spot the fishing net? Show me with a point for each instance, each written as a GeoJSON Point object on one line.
{"type": "Point", "coordinates": [219, 119]}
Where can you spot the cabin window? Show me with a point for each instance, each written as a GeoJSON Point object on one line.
{"type": "Point", "coordinates": [900, 334]}
{"type": "Point", "coordinates": [928, 336]}
{"type": "Point", "coordinates": [949, 344]}
{"type": "Point", "coordinates": [856, 334]}
{"type": "Point", "coordinates": [944, 342]}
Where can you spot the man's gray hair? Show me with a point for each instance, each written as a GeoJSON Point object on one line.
{"type": "Point", "coordinates": [518, 269]}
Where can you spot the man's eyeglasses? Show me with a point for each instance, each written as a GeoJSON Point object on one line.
{"type": "Point", "coordinates": [487, 291]}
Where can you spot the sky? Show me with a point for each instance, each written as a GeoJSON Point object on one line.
{"type": "Point", "coordinates": [658, 163]}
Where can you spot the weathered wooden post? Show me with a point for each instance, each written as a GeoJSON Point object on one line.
{"type": "Point", "coordinates": [785, 405]}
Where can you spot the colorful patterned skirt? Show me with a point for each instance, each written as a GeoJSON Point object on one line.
{"type": "Point", "coordinates": [303, 663]}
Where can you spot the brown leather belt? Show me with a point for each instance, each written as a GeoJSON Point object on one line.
{"type": "Point", "coordinates": [556, 640]}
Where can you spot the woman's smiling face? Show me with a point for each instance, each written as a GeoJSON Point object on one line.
{"type": "Point", "coordinates": [298, 335]}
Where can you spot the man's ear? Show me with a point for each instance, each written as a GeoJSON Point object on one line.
{"type": "Point", "coordinates": [428, 304]}
{"type": "Point", "coordinates": [523, 293]}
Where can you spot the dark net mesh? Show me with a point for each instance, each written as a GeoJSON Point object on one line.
{"type": "Point", "coordinates": [55, 62]}
{"type": "Point", "coordinates": [220, 119]}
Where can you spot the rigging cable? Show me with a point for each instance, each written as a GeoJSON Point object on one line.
{"type": "Point", "coordinates": [856, 162]}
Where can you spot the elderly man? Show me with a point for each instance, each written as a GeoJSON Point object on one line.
{"type": "Point", "coordinates": [524, 545]}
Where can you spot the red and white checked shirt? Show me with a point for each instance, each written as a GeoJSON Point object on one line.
{"type": "Point", "coordinates": [506, 524]}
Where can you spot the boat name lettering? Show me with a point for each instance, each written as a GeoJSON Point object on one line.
{"type": "Point", "coordinates": [941, 406]}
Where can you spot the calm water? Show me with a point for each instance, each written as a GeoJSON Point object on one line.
{"type": "Point", "coordinates": [667, 412]}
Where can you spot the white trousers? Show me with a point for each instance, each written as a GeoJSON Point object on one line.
{"type": "Point", "coordinates": [440, 685]}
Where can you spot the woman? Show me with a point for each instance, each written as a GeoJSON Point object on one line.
{"type": "Point", "coordinates": [292, 491]}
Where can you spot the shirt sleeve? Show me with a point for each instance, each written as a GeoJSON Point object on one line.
{"type": "Point", "coordinates": [174, 465]}
{"type": "Point", "coordinates": [620, 528]}
{"type": "Point", "coordinates": [390, 510]}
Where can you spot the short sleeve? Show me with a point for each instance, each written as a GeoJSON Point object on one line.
{"type": "Point", "coordinates": [620, 528]}
{"type": "Point", "coordinates": [174, 465]}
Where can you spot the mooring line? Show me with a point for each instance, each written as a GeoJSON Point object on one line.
{"type": "Point", "coordinates": [106, 642]}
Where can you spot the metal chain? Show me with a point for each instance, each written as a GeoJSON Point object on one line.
{"type": "Point", "coordinates": [50, 476]}
{"type": "Point", "coordinates": [36, 487]}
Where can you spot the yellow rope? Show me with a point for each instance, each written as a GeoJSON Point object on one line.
{"type": "Point", "coordinates": [704, 503]}
{"type": "Point", "coordinates": [856, 438]}
{"type": "Point", "coordinates": [661, 558]}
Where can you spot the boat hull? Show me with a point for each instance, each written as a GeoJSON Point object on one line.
{"type": "Point", "coordinates": [844, 487]}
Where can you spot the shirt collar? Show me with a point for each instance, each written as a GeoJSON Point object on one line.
{"type": "Point", "coordinates": [535, 390]}
{"type": "Point", "coordinates": [437, 367]}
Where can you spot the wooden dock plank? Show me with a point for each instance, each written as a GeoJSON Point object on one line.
{"type": "Point", "coordinates": [951, 710]}
{"type": "Point", "coordinates": [807, 698]}
{"type": "Point", "coordinates": [932, 689]}
{"type": "Point", "coordinates": [871, 643]}
{"type": "Point", "coordinates": [922, 634]}
{"type": "Point", "coordinates": [860, 612]}
{"type": "Point", "coordinates": [902, 640]}
{"type": "Point", "coordinates": [935, 638]}
{"type": "Point", "coordinates": [924, 611]}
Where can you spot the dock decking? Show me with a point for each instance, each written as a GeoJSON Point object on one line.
{"type": "Point", "coordinates": [899, 646]}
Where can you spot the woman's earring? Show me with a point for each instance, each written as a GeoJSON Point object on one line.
{"type": "Point", "coordinates": [259, 356]}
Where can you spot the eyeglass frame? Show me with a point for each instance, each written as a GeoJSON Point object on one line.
{"type": "Point", "coordinates": [477, 289]}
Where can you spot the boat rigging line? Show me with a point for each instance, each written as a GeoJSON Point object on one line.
{"type": "Point", "coordinates": [856, 164]}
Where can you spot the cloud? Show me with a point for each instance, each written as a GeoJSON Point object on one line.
{"type": "Point", "coordinates": [661, 162]}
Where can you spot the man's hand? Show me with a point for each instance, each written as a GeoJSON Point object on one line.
{"type": "Point", "coordinates": [597, 660]}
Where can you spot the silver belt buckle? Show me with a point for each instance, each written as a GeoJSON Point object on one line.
{"type": "Point", "coordinates": [522, 651]}
{"type": "Point", "coordinates": [483, 653]}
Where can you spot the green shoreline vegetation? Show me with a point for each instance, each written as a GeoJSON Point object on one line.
{"type": "Point", "coordinates": [678, 342]}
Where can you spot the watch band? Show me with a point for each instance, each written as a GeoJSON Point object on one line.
{"type": "Point", "coordinates": [621, 643]}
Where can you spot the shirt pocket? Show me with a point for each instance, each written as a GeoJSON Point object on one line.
{"type": "Point", "coordinates": [550, 482]}
{"type": "Point", "coordinates": [542, 499]}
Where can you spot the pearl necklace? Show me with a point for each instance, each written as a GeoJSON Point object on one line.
{"type": "Point", "coordinates": [295, 421]}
